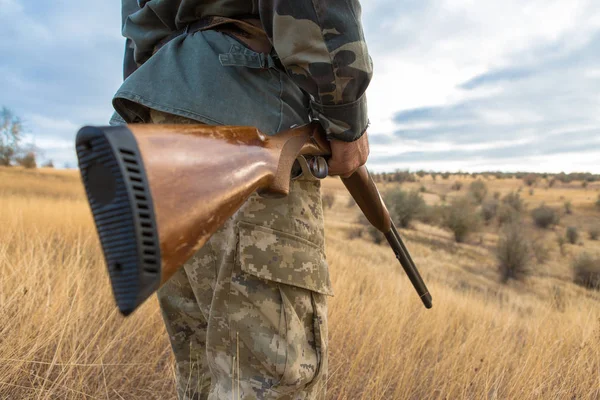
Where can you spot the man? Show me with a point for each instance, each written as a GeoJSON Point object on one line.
{"type": "Point", "coordinates": [246, 316]}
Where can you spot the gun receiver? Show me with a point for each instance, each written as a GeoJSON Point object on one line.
{"type": "Point", "coordinates": [158, 192]}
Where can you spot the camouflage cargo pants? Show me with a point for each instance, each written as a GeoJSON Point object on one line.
{"type": "Point", "coordinates": [247, 315]}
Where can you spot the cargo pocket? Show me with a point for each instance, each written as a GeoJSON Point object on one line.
{"type": "Point", "coordinates": [278, 309]}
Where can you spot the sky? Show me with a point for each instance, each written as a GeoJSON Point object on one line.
{"type": "Point", "coordinates": [469, 85]}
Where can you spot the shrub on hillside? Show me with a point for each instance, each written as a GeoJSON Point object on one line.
{"type": "Point", "coordinates": [514, 201]}
{"type": "Point", "coordinates": [48, 164]}
{"type": "Point", "coordinates": [432, 215]}
{"type": "Point", "coordinates": [586, 271]}
{"type": "Point", "coordinates": [506, 214]}
{"type": "Point", "coordinates": [544, 217]}
{"type": "Point", "coordinates": [27, 161]}
{"type": "Point", "coordinates": [374, 234]}
{"type": "Point", "coordinates": [460, 218]}
{"type": "Point", "coordinates": [404, 206]}
{"type": "Point", "coordinates": [568, 207]}
{"type": "Point", "coordinates": [456, 186]}
{"type": "Point", "coordinates": [510, 209]}
{"type": "Point", "coordinates": [572, 234]}
{"type": "Point", "coordinates": [560, 239]}
{"type": "Point", "coordinates": [445, 175]}
{"type": "Point", "coordinates": [598, 202]}
{"type": "Point", "coordinates": [540, 249]}
{"type": "Point", "coordinates": [478, 189]}
{"type": "Point", "coordinates": [403, 176]}
{"type": "Point", "coordinates": [530, 179]}
{"type": "Point", "coordinates": [328, 199]}
{"type": "Point", "coordinates": [513, 253]}
{"type": "Point", "coordinates": [594, 233]}
{"type": "Point", "coordinates": [489, 210]}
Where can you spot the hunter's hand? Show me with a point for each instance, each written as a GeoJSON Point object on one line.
{"type": "Point", "coordinates": [346, 157]}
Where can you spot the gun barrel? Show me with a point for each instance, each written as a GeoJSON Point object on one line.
{"type": "Point", "coordinates": [364, 191]}
{"type": "Point", "coordinates": [408, 265]}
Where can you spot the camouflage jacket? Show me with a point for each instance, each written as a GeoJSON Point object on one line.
{"type": "Point", "coordinates": [319, 42]}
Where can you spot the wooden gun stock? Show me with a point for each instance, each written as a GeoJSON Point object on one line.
{"type": "Point", "coordinates": [158, 192]}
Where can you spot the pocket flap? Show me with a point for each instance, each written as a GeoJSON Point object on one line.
{"type": "Point", "coordinates": [282, 257]}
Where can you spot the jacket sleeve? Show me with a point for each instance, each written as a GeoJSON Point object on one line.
{"type": "Point", "coordinates": [322, 47]}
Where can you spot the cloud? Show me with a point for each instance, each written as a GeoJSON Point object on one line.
{"type": "Point", "coordinates": [522, 76]}
{"type": "Point", "coordinates": [61, 64]}
{"type": "Point", "coordinates": [458, 84]}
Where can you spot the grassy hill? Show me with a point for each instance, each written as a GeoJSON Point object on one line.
{"type": "Point", "coordinates": [62, 337]}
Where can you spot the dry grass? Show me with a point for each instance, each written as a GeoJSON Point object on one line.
{"type": "Point", "coordinates": [538, 339]}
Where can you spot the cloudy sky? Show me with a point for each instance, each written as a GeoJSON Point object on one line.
{"type": "Point", "coordinates": [466, 85]}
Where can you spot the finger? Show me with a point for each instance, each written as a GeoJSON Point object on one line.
{"type": "Point", "coordinates": [344, 169]}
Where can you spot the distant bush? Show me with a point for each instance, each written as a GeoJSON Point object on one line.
{"type": "Point", "coordinates": [460, 218]}
{"type": "Point", "coordinates": [551, 182]}
{"type": "Point", "coordinates": [432, 215]}
{"type": "Point", "coordinates": [404, 206]}
{"type": "Point", "coordinates": [496, 195]}
{"type": "Point", "coordinates": [586, 270]}
{"type": "Point", "coordinates": [403, 176]}
{"type": "Point", "coordinates": [456, 186]}
{"type": "Point", "coordinates": [513, 253]}
{"type": "Point", "coordinates": [374, 234]}
{"type": "Point", "coordinates": [598, 202]}
{"type": "Point", "coordinates": [568, 207]}
{"type": "Point", "coordinates": [355, 232]}
{"type": "Point", "coordinates": [531, 192]}
{"type": "Point", "coordinates": [561, 244]}
{"type": "Point", "coordinates": [422, 189]}
{"type": "Point", "coordinates": [478, 190]}
{"type": "Point", "coordinates": [564, 178]}
{"type": "Point", "coordinates": [445, 175]}
{"type": "Point", "coordinates": [27, 161]}
{"type": "Point", "coordinates": [540, 250]}
{"type": "Point", "coordinates": [510, 209]}
{"type": "Point", "coordinates": [489, 210]}
{"type": "Point", "coordinates": [584, 184]}
{"type": "Point", "coordinates": [544, 217]}
{"type": "Point", "coordinates": [48, 164]}
{"type": "Point", "coordinates": [594, 233]}
{"type": "Point", "coordinates": [530, 179]}
{"type": "Point", "coordinates": [506, 214]}
{"type": "Point", "coordinates": [572, 234]}
{"type": "Point", "coordinates": [328, 199]}
{"type": "Point", "coordinates": [514, 200]}
{"type": "Point", "coordinates": [420, 173]}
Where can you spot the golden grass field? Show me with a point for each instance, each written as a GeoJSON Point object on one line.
{"type": "Point", "coordinates": [61, 336]}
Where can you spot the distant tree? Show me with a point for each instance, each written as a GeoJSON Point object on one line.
{"type": "Point", "coordinates": [48, 164]}
{"type": "Point", "coordinates": [11, 130]}
{"type": "Point", "coordinates": [530, 179]}
{"type": "Point", "coordinates": [478, 189]}
{"type": "Point", "coordinates": [27, 160]}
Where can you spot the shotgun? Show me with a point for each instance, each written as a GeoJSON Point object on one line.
{"type": "Point", "coordinates": [158, 192]}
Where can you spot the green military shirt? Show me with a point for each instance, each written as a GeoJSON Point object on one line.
{"type": "Point", "coordinates": [319, 43]}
